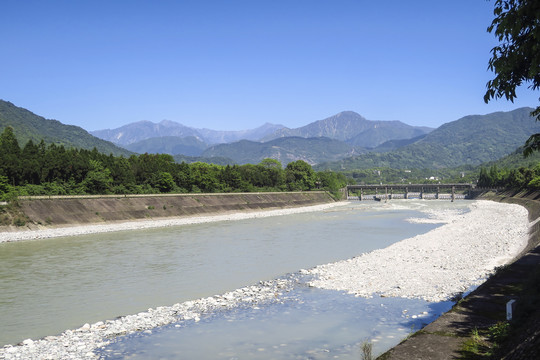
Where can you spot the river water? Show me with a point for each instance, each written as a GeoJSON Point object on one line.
{"type": "Point", "coordinates": [51, 285]}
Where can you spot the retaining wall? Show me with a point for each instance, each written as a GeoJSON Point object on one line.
{"type": "Point", "coordinates": [58, 210]}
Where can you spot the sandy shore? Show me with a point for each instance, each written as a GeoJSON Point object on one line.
{"type": "Point", "coordinates": [47, 232]}
{"type": "Point", "coordinates": [440, 264]}
{"type": "Point", "coordinates": [433, 266]}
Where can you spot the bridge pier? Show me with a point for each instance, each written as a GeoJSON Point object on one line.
{"type": "Point", "coordinates": [435, 191]}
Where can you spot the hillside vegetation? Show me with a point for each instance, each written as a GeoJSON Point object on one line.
{"type": "Point", "coordinates": [471, 140]}
{"type": "Point", "coordinates": [189, 146]}
{"type": "Point", "coordinates": [288, 149]}
{"type": "Point", "coordinates": [29, 126]}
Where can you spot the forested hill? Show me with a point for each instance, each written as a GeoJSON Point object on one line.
{"type": "Point", "coordinates": [29, 126]}
{"type": "Point", "coordinates": [311, 150]}
{"type": "Point", "coordinates": [471, 140]}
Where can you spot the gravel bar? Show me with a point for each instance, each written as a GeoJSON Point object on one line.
{"type": "Point", "coordinates": [436, 266]}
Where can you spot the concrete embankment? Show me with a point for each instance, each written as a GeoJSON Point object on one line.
{"type": "Point", "coordinates": [73, 210]}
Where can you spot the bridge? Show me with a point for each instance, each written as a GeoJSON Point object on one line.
{"type": "Point", "coordinates": [409, 191]}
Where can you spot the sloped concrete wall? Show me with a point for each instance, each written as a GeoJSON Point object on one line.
{"type": "Point", "coordinates": [98, 209]}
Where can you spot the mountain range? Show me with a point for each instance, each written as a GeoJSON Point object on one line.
{"type": "Point", "coordinates": [353, 129]}
{"type": "Point", "coordinates": [349, 132]}
{"type": "Point", "coordinates": [137, 132]}
{"type": "Point", "coordinates": [344, 141]}
{"type": "Point", "coordinates": [471, 140]}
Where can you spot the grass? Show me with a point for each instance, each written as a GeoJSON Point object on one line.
{"type": "Point", "coordinates": [482, 344]}
{"type": "Point", "coordinates": [367, 350]}
{"type": "Point", "coordinates": [12, 214]}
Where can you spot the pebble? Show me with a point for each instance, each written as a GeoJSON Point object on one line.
{"type": "Point", "coordinates": [438, 265]}
{"type": "Point", "coordinates": [82, 342]}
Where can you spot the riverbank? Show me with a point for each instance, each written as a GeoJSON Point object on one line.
{"type": "Point", "coordinates": [49, 217]}
{"type": "Point", "coordinates": [81, 343]}
{"type": "Point", "coordinates": [475, 327]}
{"type": "Point", "coordinates": [439, 265]}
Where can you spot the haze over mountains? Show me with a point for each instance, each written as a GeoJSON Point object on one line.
{"type": "Point", "coordinates": [344, 141]}
{"type": "Point", "coordinates": [143, 130]}
{"type": "Point", "coordinates": [345, 134]}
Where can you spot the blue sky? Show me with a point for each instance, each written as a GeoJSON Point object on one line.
{"type": "Point", "coordinates": [231, 65]}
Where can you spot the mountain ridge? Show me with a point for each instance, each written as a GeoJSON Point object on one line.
{"type": "Point", "coordinates": [285, 150]}
{"type": "Point", "coordinates": [29, 126]}
{"type": "Point", "coordinates": [347, 126]}
{"type": "Point", "coordinates": [144, 129]}
{"type": "Point", "coordinates": [354, 129]}
{"type": "Point", "coordinates": [470, 140]}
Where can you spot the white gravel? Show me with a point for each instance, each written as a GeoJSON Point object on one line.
{"type": "Point", "coordinates": [440, 264]}
{"type": "Point", "coordinates": [47, 232]}
{"type": "Point", "coordinates": [81, 343]}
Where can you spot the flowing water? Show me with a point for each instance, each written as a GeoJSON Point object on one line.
{"type": "Point", "coordinates": [47, 286]}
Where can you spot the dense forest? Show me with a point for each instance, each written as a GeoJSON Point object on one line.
{"type": "Point", "coordinates": [518, 178]}
{"type": "Point", "coordinates": [40, 169]}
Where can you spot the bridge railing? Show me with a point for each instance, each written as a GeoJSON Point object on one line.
{"type": "Point", "coordinates": [409, 191]}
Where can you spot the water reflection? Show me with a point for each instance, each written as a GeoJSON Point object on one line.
{"type": "Point", "coordinates": [310, 324]}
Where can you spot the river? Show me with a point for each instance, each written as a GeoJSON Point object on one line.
{"type": "Point", "coordinates": [55, 284]}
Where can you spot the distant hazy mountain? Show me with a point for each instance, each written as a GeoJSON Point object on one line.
{"type": "Point", "coordinates": [311, 150]}
{"type": "Point", "coordinates": [143, 130]}
{"type": "Point", "coordinates": [190, 146]}
{"type": "Point", "coordinates": [346, 126]}
{"type": "Point", "coordinates": [472, 140]}
{"type": "Point", "coordinates": [354, 129]}
{"type": "Point", "coordinates": [29, 126]}
{"type": "Point", "coordinates": [221, 137]}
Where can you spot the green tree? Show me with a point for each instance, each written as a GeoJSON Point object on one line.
{"type": "Point", "coordinates": [98, 180]}
{"type": "Point", "coordinates": [204, 177]}
{"type": "Point", "coordinates": [300, 176]}
{"type": "Point", "coordinates": [516, 60]}
{"type": "Point", "coordinates": [484, 179]}
{"type": "Point", "coordinates": [273, 174]}
{"type": "Point", "coordinates": [5, 188]}
{"type": "Point", "coordinates": [164, 182]}
{"type": "Point", "coordinates": [10, 156]}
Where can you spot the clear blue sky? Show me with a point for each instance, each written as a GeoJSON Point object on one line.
{"type": "Point", "coordinates": [231, 65]}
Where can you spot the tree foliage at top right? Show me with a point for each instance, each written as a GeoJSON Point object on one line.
{"type": "Point", "coordinates": [516, 60]}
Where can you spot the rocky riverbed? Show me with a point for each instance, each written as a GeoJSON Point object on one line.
{"type": "Point", "coordinates": [81, 343]}
{"type": "Point", "coordinates": [439, 265]}
{"type": "Point", "coordinates": [434, 266]}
